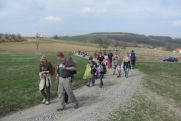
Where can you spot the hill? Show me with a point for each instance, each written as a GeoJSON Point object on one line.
{"type": "Point", "coordinates": [11, 38]}
{"type": "Point", "coordinates": [127, 39]}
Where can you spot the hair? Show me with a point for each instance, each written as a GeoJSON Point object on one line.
{"type": "Point", "coordinates": [43, 58]}
{"type": "Point", "coordinates": [126, 54]}
{"type": "Point", "coordinates": [60, 54]}
{"type": "Point", "coordinates": [90, 58]}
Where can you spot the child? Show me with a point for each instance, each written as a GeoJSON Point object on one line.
{"type": "Point", "coordinates": [118, 70]}
{"type": "Point", "coordinates": [101, 71]}
{"type": "Point", "coordinates": [126, 62]}
{"type": "Point", "coordinates": [115, 63]}
{"type": "Point", "coordinates": [93, 66]}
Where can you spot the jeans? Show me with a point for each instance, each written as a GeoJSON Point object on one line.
{"type": "Point", "coordinates": [126, 71]}
{"type": "Point", "coordinates": [91, 80]}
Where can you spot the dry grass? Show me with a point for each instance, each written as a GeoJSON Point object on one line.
{"type": "Point", "coordinates": [49, 45]}
{"type": "Point", "coordinates": [147, 54]}
{"type": "Point", "coordinates": [45, 47]}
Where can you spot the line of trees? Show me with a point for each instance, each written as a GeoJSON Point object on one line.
{"type": "Point", "coordinates": [11, 38]}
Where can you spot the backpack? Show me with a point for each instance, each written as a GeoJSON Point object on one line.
{"type": "Point", "coordinates": [53, 73]}
{"type": "Point", "coordinates": [133, 56]}
{"type": "Point", "coordinates": [104, 68]}
{"type": "Point", "coordinates": [93, 67]}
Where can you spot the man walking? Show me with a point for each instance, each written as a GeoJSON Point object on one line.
{"type": "Point", "coordinates": [133, 59]}
{"type": "Point", "coordinates": [65, 69]}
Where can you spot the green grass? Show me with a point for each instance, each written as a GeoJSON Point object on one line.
{"type": "Point", "coordinates": [142, 109]}
{"type": "Point", "coordinates": [19, 79]}
{"type": "Point", "coordinates": [163, 78]}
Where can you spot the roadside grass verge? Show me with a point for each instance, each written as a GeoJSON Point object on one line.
{"type": "Point", "coordinates": [19, 79]}
{"type": "Point", "coordinates": [142, 109]}
{"type": "Point", "coordinates": [164, 80]}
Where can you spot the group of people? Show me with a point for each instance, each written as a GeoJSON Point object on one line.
{"type": "Point", "coordinates": [94, 70]}
{"type": "Point", "coordinates": [66, 69]}
{"type": "Point", "coordinates": [98, 68]}
{"type": "Point", "coordinates": [114, 61]}
{"type": "Point", "coordinates": [80, 53]}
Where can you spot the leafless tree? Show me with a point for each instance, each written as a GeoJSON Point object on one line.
{"type": "Point", "coordinates": [37, 41]}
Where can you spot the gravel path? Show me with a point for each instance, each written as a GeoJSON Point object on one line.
{"type": "Point", "coordinates": [95, 103]}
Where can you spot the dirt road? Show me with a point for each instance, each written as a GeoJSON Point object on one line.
{"type": "Point", "coordinates": [95, 103]}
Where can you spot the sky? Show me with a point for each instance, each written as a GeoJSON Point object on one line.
{"type": "Point", "coordinates": [75, 17]}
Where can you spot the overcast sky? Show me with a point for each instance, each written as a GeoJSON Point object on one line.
{"type": "Point", "coordinates": [72, 17]}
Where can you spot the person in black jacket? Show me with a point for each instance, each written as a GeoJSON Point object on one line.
{"type": "Point", "coordinates": [133, 59]}
{"type": "Point", "coordinates": [72, 76]}
{"type": "Point", "coordinates": [65, 70]}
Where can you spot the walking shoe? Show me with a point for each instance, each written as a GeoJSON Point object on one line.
{"type": "Point", "coordinates": [76, 106]}
{"type": "Point", "coordinates": [101, 85]}
{"type": "Point", "coordinates": [43, 101]}
{"type": "Point", "coordinates": [47, 102]}
{"type": "Point", "coordinates": [60, 109]}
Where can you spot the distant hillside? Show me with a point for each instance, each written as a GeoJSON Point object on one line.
{"type": "Point", "coordinates": [127, 39]}
{"type": "Point", "coordinates": [11, 38]}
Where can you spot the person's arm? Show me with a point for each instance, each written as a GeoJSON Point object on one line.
{"type": "Point", "coordinates": [50, 68]}
{"type": "Point", "coordinates": [70, 67]}
{"type": "Point", "coordinates": [40, 68]}
{"type": "Point", "coordinates": [73, 68]}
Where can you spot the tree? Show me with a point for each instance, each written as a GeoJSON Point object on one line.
{"type": "Point", "coordinates": [98, 41]}
{"type": "Point", "coordinates": [55, 37]}
{"type": "Point", "coordinates": [37, 41]}
{"type": "Point", "coordinates": [102, 44]}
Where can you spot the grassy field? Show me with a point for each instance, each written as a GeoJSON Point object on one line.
{"type": "Point", "coordinates": [163, 79]}
{"type": "Point", "coordinates": [19, 78]}
{"type": "Point", "coordinates": [19, 66]}
{"type": "Point", "coordinates": [161, 98]}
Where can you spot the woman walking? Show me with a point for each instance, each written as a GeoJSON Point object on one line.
{"type": "Point", "coordinates": [45, 79]}
{"type": "Point", "coordinates": [126, 64]}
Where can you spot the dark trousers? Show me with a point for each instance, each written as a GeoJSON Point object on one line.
{"type": "Point", "coordinates": [101, 80]}
{"type": "Point", "coordinates": [91, 80]}
{"type": "Point", "coordinates": [46, 92]}
{"type": "Point", "coordinates": [133, 63]}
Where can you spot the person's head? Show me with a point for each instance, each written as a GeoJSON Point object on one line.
{"type": "Point", "coordinates": [70, 58]}
{"type": "Point", "coordinates": [43, 60]}
{"type": "Point", "coordinates": [90, 58]}
{"type": "Point", "coordinates": [99, 62]}
{"type": "Point", "coordinates": [60, 56]}
{"type": "Point", "coordinates": [126, 54]}
{"type": "Point", "coordinates": [132, 51]}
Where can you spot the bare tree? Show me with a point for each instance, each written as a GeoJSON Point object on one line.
{"type": "Point", "coordinates": [37, 41]}
{"type": "Point", "coordinates": [102, 44]}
